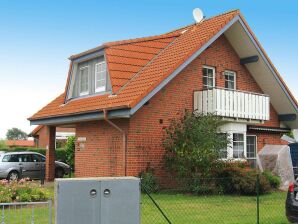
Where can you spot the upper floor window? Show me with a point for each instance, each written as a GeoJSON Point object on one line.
{"type": "Point", "coordinates": [230, 80]}
{"type": "Point", "coordinates": [208, 77]}
{"type": "Point", "coordinates": [100, 77]}
{"type": "Point", "coordinates": [84, 81]}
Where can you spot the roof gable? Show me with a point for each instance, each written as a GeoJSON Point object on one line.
{"type": "Point", "coordinates": [139, 69]}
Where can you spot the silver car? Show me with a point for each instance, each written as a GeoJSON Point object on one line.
{"type": "Point", "coordinates": [14, 165]}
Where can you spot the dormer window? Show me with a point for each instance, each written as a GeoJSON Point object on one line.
{"type": "Point", "coordinates": [100, 77]}
{"type": "Point", "coordinates": [84, 80]}
{"type": "Point", "coordinates": [89, 77]}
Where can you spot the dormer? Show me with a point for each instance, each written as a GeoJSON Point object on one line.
{"type": "Point", "coordinates": [89, 76]}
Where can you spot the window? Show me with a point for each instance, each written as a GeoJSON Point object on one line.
{"type": "Point", "coordinates": [100, 77]}
{"type": "Point", "coordinates": [230, 80]}
{"type": "Point", "coordinates": [36, 158]}
{"type": "Point", "coordinates": [208, 77]}
{"type": "Point", "coordinates": [238, 145]}
{"type": "Point", "coordinates": [26, 158]}
{"type": "Point", "coordinates": [251, 147]}
{"type": "Point", "coordinates": [84, 81]}
{"type": "Point", "coordinates": [10, 158]}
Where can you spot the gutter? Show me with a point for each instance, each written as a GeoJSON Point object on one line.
{"type": "Point", "coordinates": [124, 139]}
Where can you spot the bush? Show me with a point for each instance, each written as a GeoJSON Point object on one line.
{"type": "Point", "coordinates": [273, 180]}
{"type": "Point", "coordinates": [60, 153]}
{"type": "Point", "coordinates": [238, 180]}
{"type": "Point", "coordinates": [22, 191]}
{"type": "Point", "coordinates": [70, 150]}
{"type": "Point", "coordinates": [149, 182]}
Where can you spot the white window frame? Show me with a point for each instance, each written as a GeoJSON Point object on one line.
{"type": "Point", "coordinates": [230, 148]}
{"type": "Point", "coordinates": [214, 74]}
{"type": "Point", "coordinates": [101, 88]}
{"type": "Point", "coordinates": [256, 148]}
{"type": "Point", "coordinates": [80, 81]}
{"type": "Point", "coordinates": [235, 76]}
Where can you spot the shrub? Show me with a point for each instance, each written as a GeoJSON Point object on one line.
{"type": "Point", "coordinates": [273, 180]}
{"type": "Point", "coordinates": [237, 180]}
{"type": "Point", "coordinates": [70, 150]}
{"type": "Point", "coordinates": [149, 182]}
{"type": "Point", "coordinates": [193, 145]}
{"type": "Point", "coordinates": [22, 191]}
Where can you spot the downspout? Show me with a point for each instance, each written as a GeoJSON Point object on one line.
{"type": "Point", "coordinates": [105, 112]}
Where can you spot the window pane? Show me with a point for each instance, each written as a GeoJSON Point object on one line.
{"type": "Point", "coordinates": [229, 80]}
{"type": "Point", "coordinates": [238, 145]}
{"type": "Point", "coordinates": [84, 80]}
{"type": "Point", "coordinates": [208, 78]}
{"type": "Point", "coordinates": [251, 146]}
{"type": "Point", "coordinates": [100, 76]}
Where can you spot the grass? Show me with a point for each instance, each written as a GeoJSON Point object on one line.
{"type": "Point", "coordinates": [182, 209]}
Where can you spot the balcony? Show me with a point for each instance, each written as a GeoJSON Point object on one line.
{"type": "Point", "coordinates": [233, 104]}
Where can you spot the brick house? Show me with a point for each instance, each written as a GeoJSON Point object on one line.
{"type": "Point", "coordinates": [120, 96]}
{"type": "Point", "coordinates": [40, 135]}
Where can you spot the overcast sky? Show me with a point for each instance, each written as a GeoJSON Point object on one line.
{"type": "Point", "coordinates": [37, 37]}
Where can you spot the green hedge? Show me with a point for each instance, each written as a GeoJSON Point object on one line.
{"type": "Point", "coordinates": [60, 153]}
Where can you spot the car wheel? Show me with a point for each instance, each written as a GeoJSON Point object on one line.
{"type": "Point", "coordinates": [59, 173]}
{"type": "Point", "coordinates": [13, 176]}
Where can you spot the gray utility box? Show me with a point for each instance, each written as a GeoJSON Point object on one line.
{"type": "Point", "coordinates": [97, 200]}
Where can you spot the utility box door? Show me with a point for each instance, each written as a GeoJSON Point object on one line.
{"type": "Point", "coordinates": [75, 204]}
{"type": "Point", "coordinates": [97, 200]}
{"type": "Point", "coordinates": [120, 202]}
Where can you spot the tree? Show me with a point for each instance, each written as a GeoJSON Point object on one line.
{"type": "Point", "coordinates": [16, 134]}
{"type": "Point", "coordinates": [70, 150]}
{"type": "Point", "coordinates": [193, 145]}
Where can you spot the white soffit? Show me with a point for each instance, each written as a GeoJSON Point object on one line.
{"type": "Point", "coordinates": [260, 71]}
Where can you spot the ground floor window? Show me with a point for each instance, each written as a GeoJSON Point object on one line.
{"type": "Point", "coordinates": [241, 146]}
{"type": "Point", "coordinates": [251, 150]}
{"type": "Point", "coordinates": [238, 146]}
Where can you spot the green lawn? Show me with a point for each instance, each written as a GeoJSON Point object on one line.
{"type": "Point", "coordinates": [182, 209]}
{"type": "Point", "coordinates": [187, 209]}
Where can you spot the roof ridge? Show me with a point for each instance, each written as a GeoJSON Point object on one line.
{"type": "Point", "coordinates": [139, 39]}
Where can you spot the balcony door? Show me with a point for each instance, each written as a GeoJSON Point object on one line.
{"type": "Point", "coordinates": [251, 150]}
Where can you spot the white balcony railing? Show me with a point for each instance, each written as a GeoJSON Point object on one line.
{"type": "Point", "coordinates": [232, 103]}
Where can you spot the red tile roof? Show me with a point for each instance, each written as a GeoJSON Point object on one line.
{"type": "Point", "coordinates": [20, 143]}
{"type": "Point", "coordinates": [139, 65]}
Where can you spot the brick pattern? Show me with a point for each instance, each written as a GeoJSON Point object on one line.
{"type": "Point", "coordinates": [103, 153]}
{"type": "Point", "coordinates": [50, 153]}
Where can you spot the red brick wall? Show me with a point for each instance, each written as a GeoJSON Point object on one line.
{"type": "Point", "coordinates": [103, 154]}
{"type": "Point", "coordinates": [146, 131]}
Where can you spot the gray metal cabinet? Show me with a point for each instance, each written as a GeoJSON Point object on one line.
{"type": "Point", "coordinates": [98, 200]}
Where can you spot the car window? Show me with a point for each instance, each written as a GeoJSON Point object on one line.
{"type": "Point", "coordinates": [43, 159]}
{"type": "Point", "coordinates": [26, 158]}
{"type": "Point", "coordinates": [36, 158]}
{"type": "Point", "coordinates": [10, 158]}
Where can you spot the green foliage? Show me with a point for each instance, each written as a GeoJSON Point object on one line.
{"type": "Point", "coordinates": [22, 191]}
{"type": "Point", "coordinates": [193, 145]}
{"type": "Point", "coordinates": [70, 150]}
{"type": "Point", "coordinates": [273, 180]}
{"type": "Point", "coordinates": [60, 153]}
{"type": "Point", "coordinates": [149, 182]}
{"type": "Point", "coordinates": [2, 144]}
{"type": "Point", "coordinates": [234, 179]}
{"type": "Point", "coordinates": [16, 134]}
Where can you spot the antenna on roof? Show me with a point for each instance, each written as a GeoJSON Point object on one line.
{"type": "Point", "coordinates": [198, 15]}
